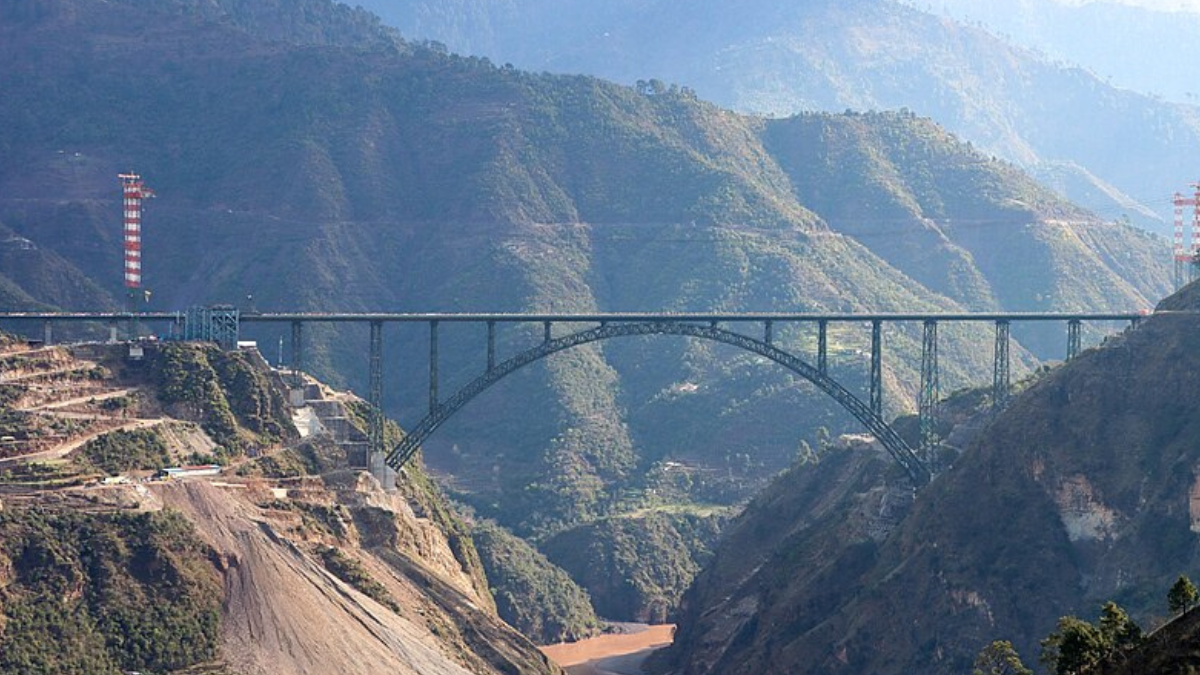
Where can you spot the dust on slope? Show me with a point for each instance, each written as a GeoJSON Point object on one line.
{"type": "Point", "coordinates": [284, 613]}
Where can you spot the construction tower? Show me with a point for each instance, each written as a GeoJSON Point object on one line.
{"type": "Point", "coordinates": [133, 192]}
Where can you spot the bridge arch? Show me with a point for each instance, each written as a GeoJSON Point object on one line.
{"type": "Point", "coordinates": [900, 451]}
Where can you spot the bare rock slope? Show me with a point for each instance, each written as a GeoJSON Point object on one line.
{"type": "Point", "coordinates": [284, 612]}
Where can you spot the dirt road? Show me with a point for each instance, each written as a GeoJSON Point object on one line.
{"type": "Point", "coordinates": [68, 447]}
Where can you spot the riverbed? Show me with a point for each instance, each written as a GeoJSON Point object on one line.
{"type": "Point", "coordinates": [611, 654]}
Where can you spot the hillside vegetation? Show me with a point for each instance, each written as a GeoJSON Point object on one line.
{"type": "Point", "coordinates": [292, 562]}
{"type": "Point", "coordinates": [765, 57]}
{"type": "Point", "coordinates": [307, 157]}
{"type": "Point", "coordinates": [83, 594]}
{"type": "Point", "coordinates": [532, 594]}
{"type": "Point", "coordinates": [1081, 491]}
{"type": "Point", "coordinates": [1084, 34]}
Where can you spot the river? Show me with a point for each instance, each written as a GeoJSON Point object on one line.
{"type": "Point", "coordinates": [611, 654]}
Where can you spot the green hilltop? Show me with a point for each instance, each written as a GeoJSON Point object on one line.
{"type": "Point", "coordinates": [1113, 148]}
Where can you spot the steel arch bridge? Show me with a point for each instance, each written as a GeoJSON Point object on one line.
{"type": "Point", "coordinates": [896, 446]}
{"type": "Point", "coordinates": [221, 324]}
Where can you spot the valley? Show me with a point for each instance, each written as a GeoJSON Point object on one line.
{"type": "Point", "coordinates": [433, 346]}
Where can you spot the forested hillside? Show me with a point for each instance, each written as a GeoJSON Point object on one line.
{"type": "Point", "coordinates": [760, 56]}
{"type": "Point", "coordinates": [332, 166]}
{"type": "Point", "coordinates": [1082, 491]}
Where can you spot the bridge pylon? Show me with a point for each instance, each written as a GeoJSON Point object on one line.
{"type": "Point", "coordinates": [1001, 372]}
{"type": "Point", "coordinates": [930, 394]}
{"type": "Point", "coordinates": [1074, 338]}
{"type": "Point", "coordinates": [877, 367]}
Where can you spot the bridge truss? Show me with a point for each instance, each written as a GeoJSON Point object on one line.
{"type": "Point", "coordinates": [918, 463]}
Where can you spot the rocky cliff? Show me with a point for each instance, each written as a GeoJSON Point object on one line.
{"type": "Point", "coordinates": [1083, 490]}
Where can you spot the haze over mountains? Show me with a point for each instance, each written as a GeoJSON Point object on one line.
{"type": "Point", "coordinates": [766, 57]}
{"type": "Point", "coordinates": [1145, 47]}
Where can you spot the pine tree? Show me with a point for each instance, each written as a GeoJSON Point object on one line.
{"type": "Point", "coordinates": [1076, 646]}
{"type": "Point", "coordinates": [1000, 658]}
{"type": "Point", "coordinates": [1183, 595]}
{"type": "Point", "coordinates": [1118, 630]}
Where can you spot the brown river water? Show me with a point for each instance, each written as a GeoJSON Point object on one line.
{"type": "Point", "coordinates": [613, 654]}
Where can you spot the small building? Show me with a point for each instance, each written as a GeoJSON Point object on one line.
{"type": "Point", "coordinates": [202, 470]}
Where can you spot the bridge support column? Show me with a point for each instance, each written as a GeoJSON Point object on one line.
{"type": "Point", "coordinates": [375, 430]}
{"type": "Point", "coordinates": [433, 367]}
{"type": "Point", "coordinates": [877, 367]}
{"type": "Point", "coordinates": [930, 394]}
{"type": "Point", "coordinates": [769, 332]}
{"type": "Point", "coordinates": [546, 337]}
{"type": "Point", "coordinates": [296, 395]}
{"type": "Point", "coordinates": [297, 353]}
{"type": "Point", "coordinates": [1001, 374]}
{"type": "Point", "coordinates": [47, 333]}
{"type": "Point", "coordinates": [823, 346]}
{"type": "Point", "coordinates": [112, 333]}
{"type": "Point", "coordinates": [491, 345]}
{"type": "Point", "coordinates": [377, 453]}
{"type": "Point", "coordinates": [1074, 338]}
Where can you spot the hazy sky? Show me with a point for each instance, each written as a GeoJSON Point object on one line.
{"type": "Point", "coordinates": [1164, 5]}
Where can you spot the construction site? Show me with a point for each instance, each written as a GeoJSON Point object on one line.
{"type": "Point", "coordinates": [321, 564]}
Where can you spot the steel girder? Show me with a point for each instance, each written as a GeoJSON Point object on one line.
{"type": "Point", "coordinates": [899, 450]}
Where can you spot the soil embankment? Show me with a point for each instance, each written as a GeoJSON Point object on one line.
{"type": "Point", "coordinates": [285, 614]}
{"type": "Point", "coordinates": [613, 654]}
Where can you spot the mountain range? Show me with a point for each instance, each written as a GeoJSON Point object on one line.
{"type": "Point", "coordinates": [1117, 151]}
{"type": "Point", "coordinates": [1140, 47]}
{"type": "Point", "coordinates": [309, 156]}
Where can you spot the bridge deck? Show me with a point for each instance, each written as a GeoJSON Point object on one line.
{"type": "Point", "coordinates": [288, 317]}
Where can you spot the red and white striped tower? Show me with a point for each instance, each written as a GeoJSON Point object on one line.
{"type": "Point", "coordinates": [1179, 253]}
{"type": "Point", "coordinates": [134, 192]}
{"type": "Point", "coordinates": [1194, 239]}
{"type": "Point", "coordinates": [1186, 248]}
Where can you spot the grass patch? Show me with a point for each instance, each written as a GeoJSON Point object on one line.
{"type": "Point", "coordinates": [119, 451]}
{"type": "Point", "coordinates": [352, 572]}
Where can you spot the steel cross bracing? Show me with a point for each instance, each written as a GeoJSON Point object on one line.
{"type": "Point", "coordinates": [900, 451]}
{"type": "Point", "coordinates": [1074, 338]}
{"type": "Point", "coordinates": [929, 397]}
{"type": "Point", "coordinates": [1001, 374]}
